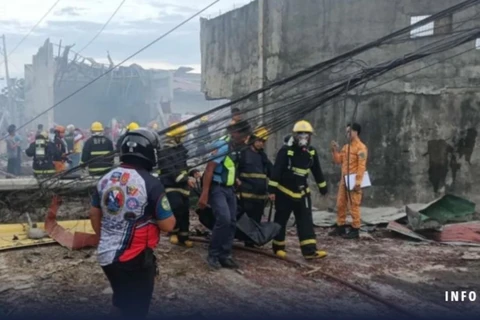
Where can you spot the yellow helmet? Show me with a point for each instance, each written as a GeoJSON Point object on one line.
{"type": "Point", "coordinates": [96, 127]}
{"type": "Point", "coordinates": [204, 119]}
{"type": "Point", "coordinates": [133, 126]}
{"type": "Point", "coordinates": [180, 131]}
{"type": "Point", "coordinates": [303, 126]}
{"type": "Point", "coordinates": [261, 133]}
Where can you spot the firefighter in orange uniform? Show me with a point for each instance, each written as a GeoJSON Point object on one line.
{"type": "Point", "coordinates": [355, 163]}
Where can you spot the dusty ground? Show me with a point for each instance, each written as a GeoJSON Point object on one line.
{"type": "Point", "coordinates": [411, 275]}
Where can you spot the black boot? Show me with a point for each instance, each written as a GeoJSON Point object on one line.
{"type": "Point", "coordinates": [352, 234]}
{"type": "Point", "coordinates": [338, 231]}
{"type": "Point", "coordinates": [228, 263]}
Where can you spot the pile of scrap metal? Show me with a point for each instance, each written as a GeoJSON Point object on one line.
{"type": "Point", "coordinates": [449, 219]}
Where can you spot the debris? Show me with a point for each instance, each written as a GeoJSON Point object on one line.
{"type": "Point", "coordinates": [460, 233]}
{"type": "Point", "coordinates": [471, 256]}
{"type": "Point", "coordinates": [172, 296]}
{"type": "Point", "coordinates": [312, 271]}
{"type": "Point", "coordinates": [433, 215]}
{"type": "Point", "coordinates": [24, 286]}
{"type": "Point", "coordinates": [107, 291]}
{"type": "Point", "coordinates": [370, 216]}
{"type": "Point", "coordinates": [240, 271]}
{"type": "Point", "coordinates": [5, 288]}
{"type": "Point", "coordinates": [397, 227]}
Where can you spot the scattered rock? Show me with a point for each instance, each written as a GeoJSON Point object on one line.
{"type": "Point", "coordinates": [471, 256]}
{"type": "Point", "coordinates": [107, 291]}
{"type": "Point", "coordinates": [172, 296]}
{"type": "Point", "coordinates": [24, 286]}
{"type": "Point", "coordinates": [5, 288]}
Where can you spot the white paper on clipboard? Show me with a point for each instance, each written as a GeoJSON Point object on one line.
{"type": "Point", "coordinates": [350, 181]}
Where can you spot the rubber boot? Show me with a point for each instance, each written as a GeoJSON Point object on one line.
{"type": "Point", "coordinates": [173, 239]}
{"type": "Point", "coordinates": [187, 243]}
{"type": "Point", "coordinates": [317, 255]}
{"type": "Point", "coordinates": [338, 231]}
{"type": "Point", "coordinates": [281, 253]}
{"type": "Point", "coordinates": [352, 234]}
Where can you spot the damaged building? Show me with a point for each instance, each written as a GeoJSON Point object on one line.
{"type": "Point", "coordinates": [127, 93]}
{"type": "Point", "coordinates": [420, 122]}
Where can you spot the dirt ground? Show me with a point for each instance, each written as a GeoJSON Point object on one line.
{"type": "Point", "coordinates": [412, 275]}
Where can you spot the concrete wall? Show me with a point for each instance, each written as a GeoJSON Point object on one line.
{"type": "Point", "coordinates": [420, 129]}
{"type": "Point", "coordinates": [39, 83]}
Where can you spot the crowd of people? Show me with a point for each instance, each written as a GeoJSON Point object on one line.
{"type": "Point", "coordinates": [131, 206]}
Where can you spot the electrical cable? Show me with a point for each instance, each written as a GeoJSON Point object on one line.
{"type": "Point", "coordinates": [116, 66]}
{"type": "Point", "coordinates": [103, 27]}
{"type": "Point", "coordinates": [31, 30]}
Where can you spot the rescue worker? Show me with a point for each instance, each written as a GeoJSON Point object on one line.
{"type": "Point", "coordinates": [173, 172]}
{"type": "Point", "coordinates": [129, 208]}
{"type": "Point", "coordinates": [254, 168]}
{"type": "Point", "coordinates": [289, 183]}
{"type": "Point", "coordinates": [69, 137]}
{"type": "Point", "coordinates": [353, 158]}
{"type": "Point", "coordinates": [74, 138]}
{"type": "Point", "coordinates": [286, 139]}
{"type": "Point", "coordinates": [61, 145]}
{"type": "Point", "coordinates": [218, 191]}
{"type": "Point", "coordinates": [43, 152]}
{"type": "Point", "coordinates": [236, 115]}
{"type": "Point", "coordinates": [203, 136]}
{"type": "Point", "coordinates": [95, 151]}
{"type": "Point", "coordinates": [131, 126]}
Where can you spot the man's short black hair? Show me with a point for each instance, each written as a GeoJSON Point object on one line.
{"type": "Point", "coordinates": [355, 127]}
{"type": "Point", "coordinates": [242, 127]}
{"type": "Point", "coordinates": [235, 111]}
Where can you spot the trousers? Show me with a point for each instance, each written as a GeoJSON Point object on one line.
{"type": "Point", "coordinates": [344, 198]}
{"type": "Point", "coordinates": [302, 209]}
{"type": "Point", "coordinates": [181, 210]}
{"type": "Point", "coordinates": [223, 202]}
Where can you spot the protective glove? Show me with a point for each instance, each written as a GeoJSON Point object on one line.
{"type": "Point", "coordinates": [323, 190]}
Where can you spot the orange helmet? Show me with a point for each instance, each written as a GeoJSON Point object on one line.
{"type": "Point", "coordinates": [60, 129]}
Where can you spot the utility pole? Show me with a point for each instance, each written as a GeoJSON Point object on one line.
{"type": "Point", "coordinates": [7, 78]}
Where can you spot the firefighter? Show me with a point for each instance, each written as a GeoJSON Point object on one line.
{"type": "Point", "coordinates": [218, 192]}
{"type": "Point", "coordinates": [95, 151]}
{"type": "Point", "coordinates": [61, 145]}
{"type": "Point", "coordinates": [289, 183]}
{"type": "Point", "coordinates": [173, 172]}
{"type": "Point", "coordinates": [131, 126]}
{"type": "Point", "coordinates": [43, 152]}
{"type": "Point", "coordinates": [355, 163]}
{"type": "Point", "coordinates": [253, 170]}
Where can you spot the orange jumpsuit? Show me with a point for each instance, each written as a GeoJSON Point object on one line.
{"type": "Point", "coordinates": [354, 164]}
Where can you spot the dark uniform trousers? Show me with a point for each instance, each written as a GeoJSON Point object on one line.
{"type": "Point", "coordinates": [180, 203]}
{"type": "Point", "coordinates": [302, 209]}
{"type": "Point", "coordinates": [253, 208]}
{"type": "Point", "coordinates": [223, 202]}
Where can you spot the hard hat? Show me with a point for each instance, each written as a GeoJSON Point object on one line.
{"type": "Point", "coordinates": [96, 127]}
{"type": "Point", "coordinates": [179, 131]}
{"type": "Point", "coordinates": [303, 126]}
{"type": "Point", "coordinates": [261, 133]}
{"type": "Point", "coordinates": [141, 143]}
{"type": "Point", "coordinates": [133, 126]}
{"type": "Point", "coordinates": [204, 119]}
{"type": "Point", "coordinates": [70, 127]}
{"type": "Point", "coordinates": [60, 129]}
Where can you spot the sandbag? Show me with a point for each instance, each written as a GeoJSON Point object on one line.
{"type": "Point", "coordinates": [247, 229]}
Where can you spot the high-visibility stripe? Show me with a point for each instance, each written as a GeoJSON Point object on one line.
{"type": "Point", "coordinates": [322, 184]}
{"type": "Point", "coordinates": [273, 183]}
{"type": "Point", "coordinates": [182, 191]}
{"type": "Point", "coordinates": [253, 175]}
{"type": "Point", "coordinates": [99, 169]}
{"type": "Point", "coordinates": [290, 153]}
{"type": "Point", "coordinates": [252, 196]}
{"type": "Point", "coordinates": [99, 153]}
{"type": "Point", "coordinates": [312, 152]}
{"type": "Point", "coordinates": [296, 195]}
{"type": "Point", "coordinates": [180, 177]}
{"type": "Point", "coordinates": [307, 242]}
{"type": "Point", "coordinates": [44, 171]}
{"type": "Point", "coordinates": [300, 171]}
{"type": "Point", "coordinates": [279, 243]}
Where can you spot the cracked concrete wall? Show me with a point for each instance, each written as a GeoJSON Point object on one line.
{"type": "Point", "coordinates": [420, 126]}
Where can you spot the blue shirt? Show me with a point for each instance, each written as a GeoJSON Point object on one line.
{"type": "Point", "coordinates": [218, 156]}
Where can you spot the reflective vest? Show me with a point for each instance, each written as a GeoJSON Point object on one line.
{"type": "Point", "coordinates": [40, 149]}
{"type": "Point", "coordinates": [228, 174]}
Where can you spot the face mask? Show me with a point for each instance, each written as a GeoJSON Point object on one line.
{"type": "Point", "coordinates": [303, 139]}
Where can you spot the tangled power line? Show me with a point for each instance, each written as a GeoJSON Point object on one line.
{"type": "Point", "coordinates": [322, 85]}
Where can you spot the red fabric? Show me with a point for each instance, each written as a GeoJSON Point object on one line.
{"type": "Point", "coordinates": [142, 238]}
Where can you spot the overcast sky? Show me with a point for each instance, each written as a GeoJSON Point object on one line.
{"type": "Point", "coordinates": [137, 23]}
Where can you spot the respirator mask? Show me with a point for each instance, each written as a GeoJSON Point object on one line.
{"type": "Point", "coordinates": [303, 139]}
